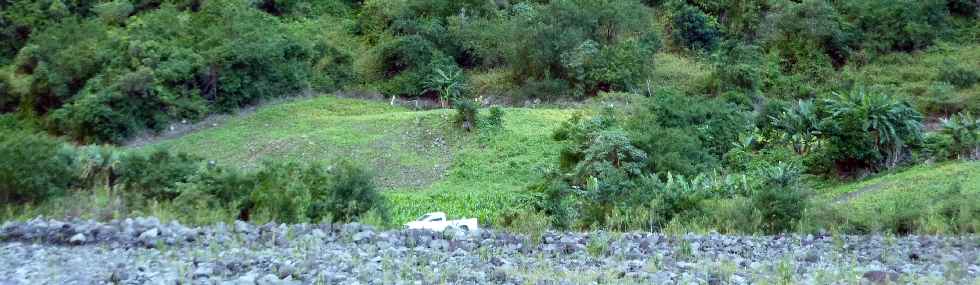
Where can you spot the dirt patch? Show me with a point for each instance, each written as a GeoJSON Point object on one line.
{"type": "Point", "coordinates": [864, 190]}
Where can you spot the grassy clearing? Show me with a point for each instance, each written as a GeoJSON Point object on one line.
{"type": "Point", "coordinates": [915, 76]}
{"type": "Point", "coordinates": [919, 199]}
{"type": "Point", "coordinates": [921, 179]}
{"type": "Point", "coordinates": [424, 163]}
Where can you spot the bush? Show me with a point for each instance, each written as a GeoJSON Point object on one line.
{"type": "Point", "coordinates": [869, 130]}
{"type": "Point", "coordinates": [693, 29]}
{"type": "Point", "coordinates": [810, 36]}
{"type": "Point", "coordinates": [285, 192]}
{"type": "Point", "coordinates": [905, 25]}
{"type": "Point", "coordinates": [351, 193]}
{"type": "Point", "coordinates": [495, 120]}
{"type": "Point", "coordinates": [780, 200]}
{"type": "Point", "coordinates": [958, 75]}
{"type": "Point", "coordinates": [675, 130]}
{"type": "Point", "coordinates": [575, 47]}
{"type": "Point", "coordinates": [466, 114]}
{"type": "Point", "coordinates": [941, 98]}
{"type": "Point", "coordinates": [294, 193]}
{"type": "Point", "coordinates": [965, 8]}
{"type": "Point", "coordinates": [155, 174]}
{"type": "Point", "coordinates": [406, 63]}
{"type": "Point", "coordinates": [964, 130]}
{"type": "Point", "coordinates": [35, 167]}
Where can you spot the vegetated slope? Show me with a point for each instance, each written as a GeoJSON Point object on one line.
{"type": "Point", "coordinates": [424, 162]}
{"type": "Point", "coordinates": [884, 198]}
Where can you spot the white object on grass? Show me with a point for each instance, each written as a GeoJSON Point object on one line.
{"type": "Point", "coordinates": [437, 221]}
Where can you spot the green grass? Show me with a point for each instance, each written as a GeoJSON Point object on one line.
{"type": "Point", "coordinates": [921, 179]}
{"type": "Point", "coordinates": [913, 75]}
{"type": "Point", "coordinates": [421, 160]}
{"type": "Point", "coordinates": [915, 199]}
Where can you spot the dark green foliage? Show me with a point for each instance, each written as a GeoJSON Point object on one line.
{"type": "Point", "coordinates": [61, 59]}
{"type": "Point", "coordinates": [350, 194]}
{"type": "Point", "coordinates": [810, 37]}
{"type": "Point", "coordinates": [466, 114]}
{"type": "Point", "coordinates": [223, 184]}
{"type": "Point", "coordinates": [903, 25]}
{"type": "Point", "coordinates": [958, 75]}
{"type": "Point", "coordinates": [8, 101]}
{"type": "Point", "coordinates": [406, 63]}
{"type": "Point", "coordinates": [693, 29]}
{"type": "Point", "coordinates": [738, 67]}
{"type": "Point", "coordinates": [780, 199]}
{"type": "Point", "coordinates": [155, 174]}
{"type": "Point", "coordinates": [571, 47]}
{"type": "Point", "coordinates": [97, 82]}
{"type": "Point", "coordinates": [294, 193]}
{"type": "Point", "coordinates": [869, 130]}
{"type": "Point", "coordinates": [248, 60]}
{"type": "Point", "coordinates": [34, 167]}
{"type": "Point", "coordinates": [965, 8]}
{"type": "Point", "coordinates": [685, 135]}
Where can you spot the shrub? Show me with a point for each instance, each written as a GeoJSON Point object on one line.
{"type": "Point", "coordinates": [227, 186]}
{"type": "Point", "coordinates": [155, 174]}
{"type": "Point", "coordinates": [810, 35]}
{"type": "Point", "coordinates": [532, 224]}
{"type": "Point", "coordinates": [693, 29]}
{"type": "Point", "coordinates": [406, 63]}
{"type": "Point", "coordinates": [780, 200]}
{"type": "Point", "coordinates": [675, 130]}
{"type": "Point", "coordinates": [466, 114]}
{"type": "Point", "coordinates": [285, 192]}
{"type": "Point", "coordinates": [964, 130]}
{"type": "Point", "coordinates": [350, 194]}
{"type": "Point", "coordinates": [905, 25]}
{"type": "Point", "coordinates": [965, 8]}
{"type": "Point", "coordinates": [495, 120]}
{"type": "Point", "coordinates": [958, 75]}
{"type": "Point", "coordinates": [575, 47]}
{"type": "Point", "coordinates": [941, 98]}
{"type": "Point", "coordinates": [869, 130]}
{"type": "Point", "coordinates": [35, 167]}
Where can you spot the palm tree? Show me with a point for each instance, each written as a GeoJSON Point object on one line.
{"type": "Point", "coordinates": [889, 123]}
{"type": "Point", "coordinates": [964, 129]}
{"type": "Point", "coordinates": [449, 83]}
{"type": "Point", "coordinates": [800, 126]}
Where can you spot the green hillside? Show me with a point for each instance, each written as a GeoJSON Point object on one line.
{"type": "Point", "coordinates": [424, 164]}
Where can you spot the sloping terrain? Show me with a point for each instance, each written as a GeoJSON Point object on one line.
{"type": "Point", "coordinates": [422, 160]}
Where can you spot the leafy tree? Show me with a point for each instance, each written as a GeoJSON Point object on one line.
{"type": "Point", "coordinates": [35, 167]}
{"type": "Point", "coordinates": [693, 29]}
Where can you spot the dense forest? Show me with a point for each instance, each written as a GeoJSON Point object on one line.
{"type": "Point", "coordinates": [718, 114]}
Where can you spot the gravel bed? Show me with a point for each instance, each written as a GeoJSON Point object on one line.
{"type": "Point", "coordinates": [146, 251]}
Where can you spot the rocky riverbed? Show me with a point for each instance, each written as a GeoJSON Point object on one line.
{"type": "Point", "coordinates": [146, 251]}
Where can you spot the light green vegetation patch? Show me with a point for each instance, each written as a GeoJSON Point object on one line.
{"type": "Point", "coordinates": [424, 163]}
{"type": "Point", "coordinates": [918, 199]}
{"type": "Point", "coordinates": [919, 180]}
{"type": "Point", "coordinates": [916, 76]}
